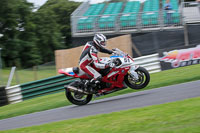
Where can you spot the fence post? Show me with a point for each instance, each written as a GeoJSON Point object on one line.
{"type": "Point", "coordinates": [35, 72]}
{"type": "Point", "coordinates": [11, 76]}
{"type": "Point", "coordinates": [186, 39]}
{"type": "Point", "coordinates": [1, 78]}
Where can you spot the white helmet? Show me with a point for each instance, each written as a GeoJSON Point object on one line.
{"type": "Point", "coordinates": [100, 40]}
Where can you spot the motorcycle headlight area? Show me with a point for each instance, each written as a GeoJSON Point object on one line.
{"type": "Point", "coordinates": [117, 61]}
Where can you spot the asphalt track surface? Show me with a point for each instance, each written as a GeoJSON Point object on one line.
{"type": "Point", "coordinates": [108, 105]}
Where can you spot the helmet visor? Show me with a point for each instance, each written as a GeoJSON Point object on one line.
{"type": "Point", "coordinates": [103, 43]}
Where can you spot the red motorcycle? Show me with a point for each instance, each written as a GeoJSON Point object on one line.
{"type": "Point", "coordinates": [124, 74]}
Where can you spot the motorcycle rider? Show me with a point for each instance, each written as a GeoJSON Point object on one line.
{"type": "Point", "coordinates": [89, 58]}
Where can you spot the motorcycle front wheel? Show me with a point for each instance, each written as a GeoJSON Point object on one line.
{"type": "Point", "coordinates": [141, 83]}
{"type": "Point", "coordinates": [78, 98]}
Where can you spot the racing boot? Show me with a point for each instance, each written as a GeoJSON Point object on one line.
{"type": "Point", "coordinates": [93, 84]}
{"type": "Point", "coordinates": [96, 81]}
{"type": "Point", "coordinates": [89, 86]}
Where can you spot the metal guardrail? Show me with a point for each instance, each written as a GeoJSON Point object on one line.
{"type": "Point", "coordinates": [45, 86]}
{"type": "Point", "coordinates": [150, 62]}
{"type": "Point", "coordinates": [19, 93]}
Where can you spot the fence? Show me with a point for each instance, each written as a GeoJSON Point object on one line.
{"type": "Point", "coordinates": [125, 22]}
{"type": "Point", "coordinates": [140, 20]}
{"type": "Point", "coordinates": [29, 90]}
{"type": "Point", "coordinates": [30, 74]}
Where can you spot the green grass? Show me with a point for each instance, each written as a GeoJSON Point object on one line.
{"type": "Point", "coordinates": [23, 76]}
{"type": "Point", "coordinates": [176, 117]}
{"type": "Point", "coordinates": [34, 105]}
{"type": "Point", "coordinates": [160, 79]}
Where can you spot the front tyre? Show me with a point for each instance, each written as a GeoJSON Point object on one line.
{"type": "Point", "coordinates": [78, 98]}
{"type": "Point", "coordinates": [142, 82]}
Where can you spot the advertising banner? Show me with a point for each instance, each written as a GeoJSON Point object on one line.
{"type": "Point", "coordinates": [179, 57]}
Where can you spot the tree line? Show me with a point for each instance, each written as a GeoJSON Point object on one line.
{"type": "Point", "coordinates": [29, 37]}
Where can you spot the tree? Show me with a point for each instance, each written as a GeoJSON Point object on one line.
{"type": "Point", "coordinates": [62, 10]}
{"type": "Point", "coordinates": [30, 38]}
{"type": "Point", "coordinates": [29, 55]}
{"type": "Point", "coordinates": [14, 26]}
{"type": "Point", "coordinates": [53, 28]}
{"type": "Point", "coordinates": [48, 34]}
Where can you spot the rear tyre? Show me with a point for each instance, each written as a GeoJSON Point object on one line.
{"type": "Point", "coordinates": [142, 82]}
{"type": "Point", "coordinates": [78, 98]}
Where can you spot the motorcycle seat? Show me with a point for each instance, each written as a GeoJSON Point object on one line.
{"type": "Point", "coordinates": [76, 70]}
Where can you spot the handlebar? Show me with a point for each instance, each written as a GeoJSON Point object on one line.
{"type": "Point", "coordinates": [118, 52]}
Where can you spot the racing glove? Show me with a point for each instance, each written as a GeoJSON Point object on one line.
{"type": "Point", "coordinates": [114, 52]}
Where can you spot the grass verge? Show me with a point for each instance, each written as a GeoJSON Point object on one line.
{"type": "Point", "coordinates": [176, 117]}
{"type": "Point", "coordinates": [27, 75]}
{"type": "Point", "coordinates": [164, 78]}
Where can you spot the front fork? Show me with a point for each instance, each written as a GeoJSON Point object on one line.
{"type": "Point", "coordinates": [133, 73]}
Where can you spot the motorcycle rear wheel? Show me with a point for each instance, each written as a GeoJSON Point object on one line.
{"type": "Point", "coordinates": [78, 98]}
{"type": "Point", "coordinates": [141, 83]}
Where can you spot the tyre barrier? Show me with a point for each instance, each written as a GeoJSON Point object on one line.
{"type": "Point", "coordinates": [3, 96]}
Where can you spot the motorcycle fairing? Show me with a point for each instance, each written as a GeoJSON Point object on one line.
{"type": "Point", "coordinates": [69, 72]}
{"type": "Point", "coordinates": [115, 77]}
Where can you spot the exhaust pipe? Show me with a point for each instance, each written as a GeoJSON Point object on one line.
{"type": "Point", "coordinates": [74, 89]}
